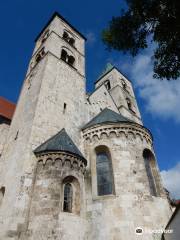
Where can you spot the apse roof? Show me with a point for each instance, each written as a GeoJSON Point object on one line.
{"type": "Point", "coordinates": [107, 116]}
{"type": "Point", "coordinates": [59, 142]}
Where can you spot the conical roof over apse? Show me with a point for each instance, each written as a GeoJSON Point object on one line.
{"type": "Point", "coordinates": [107, 116]}
{"type": "Point", "coordinates": [60, 142]}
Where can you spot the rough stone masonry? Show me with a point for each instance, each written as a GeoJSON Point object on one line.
{"type": "Point", "coordinates": [77, 166]}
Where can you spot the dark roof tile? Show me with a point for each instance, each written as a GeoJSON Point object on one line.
{"type": "Point", "coordinates": [59, 142]}
{"type": "Point", "coordinates": [107, 116]}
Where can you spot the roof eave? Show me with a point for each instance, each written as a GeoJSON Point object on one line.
{"type": "Point", "coordinates": [59, 151]}
{"type": "Point", "coordinates": [56, 14]}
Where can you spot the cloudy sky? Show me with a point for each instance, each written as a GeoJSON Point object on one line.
{"type": "Point", "coordinates": [159, 101]}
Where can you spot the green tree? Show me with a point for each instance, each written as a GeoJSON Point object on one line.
{"type": "Point", "coordinates": [158, 20]}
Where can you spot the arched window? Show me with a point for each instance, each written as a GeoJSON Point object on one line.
{"type": "Point", "coordinates": [124, 85]}
{"type": "Point", "coordinates": [65, 35]}
{"type": "Point", "coordinates": [45, 36]}
{"type": "Point", "coordinates": [105, 183]}
{"type": "Point", "coordinates": [71, 195]}
{"type": "Point", "coordinates": [71, 60]}
{"type": "Point", "coordinates": [2, 192]}
{"type": "Point", "coordinates": [152, 174]}
{"type": "Point", "coordinates": [71, 41]}
{"type": "Point", "coordinates": [40, 55]}
{"type": "Point", "coordinates": [107, 84]}
{"type": "Point", "coordinates": [64, 55]}
{"type": "Point", "coordinates": [68, 38]}
{"type": "Point", "coordinates": [68, 198]}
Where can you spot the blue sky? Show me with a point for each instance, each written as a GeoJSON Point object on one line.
{"type": "Point", "coordinates": [22, 20]}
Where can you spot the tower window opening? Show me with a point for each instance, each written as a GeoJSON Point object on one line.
{"type": "Point", "coordinates": [129, 104]}
{"type": "Point", "coordinates": [71, 41]}
{"type": "Point", "coordinates": [64, 55]}
{"type": "Point", "coordinates": [104, 172]}
{"type": "Point", "coordinates": [40, 55]}
{"type": "Point", "coordinates": [68, 197]}
{"type": "Point", "coordinates": [108, 85]}
{"type": "Point", "coordinates": [65, 35]}
{"type": "Point", "coordinates": [45, 36]}
{"type": "Point", "coordinates": [71, 60]}
{"type": "Point", "coordinates": [68, 39]}
{"type": "Point", "coordinates": [124, 85]}
{"type": "Point", "coordinates": [2, 192]}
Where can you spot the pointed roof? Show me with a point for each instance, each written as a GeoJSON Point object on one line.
{"type": "Point", "coordinates": [108, 68]}
{"type": "Point", "coordinates": [56, 14]}
{"type": "Point", "coordinates": [107, 116]}
{"type": "Point", "coordinates": [59, 142]}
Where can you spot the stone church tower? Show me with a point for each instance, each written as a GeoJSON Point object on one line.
{"type": "Point", "coordinates": [77, 166]}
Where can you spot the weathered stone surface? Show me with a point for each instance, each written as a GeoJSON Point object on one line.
{"type": "Point", "coordinates": [53, 97]}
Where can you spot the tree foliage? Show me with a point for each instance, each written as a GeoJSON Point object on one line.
{"type": "Point", "coordinates": [157, 19]}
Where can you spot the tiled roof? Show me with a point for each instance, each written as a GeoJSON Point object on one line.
{"type": "Point", "coordinates": [59, 142]}
{"type": "Point", "coordinates": [6, 108]}
{"type": "Point", "coordinates": [107, 116]}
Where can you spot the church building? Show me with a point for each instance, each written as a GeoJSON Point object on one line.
{"type": "Point", "coordinates": [76, 166]}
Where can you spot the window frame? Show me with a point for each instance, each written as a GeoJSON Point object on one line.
{"type": "Point", "coordinates": [96, 196]}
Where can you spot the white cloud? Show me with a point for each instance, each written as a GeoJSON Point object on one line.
{"type": "Point", "coordinates": [162, 97]}
{"type": "Point", "coordinates": [171, 180]}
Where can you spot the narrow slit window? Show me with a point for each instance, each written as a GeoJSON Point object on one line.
{"type": "Point", "coordinates": [108, 85]}
{"type": "Point", "coordinates": [2, 192]}
{"type": "Point", "coordinates": [129, 104]}
{"type": "Point", "coordinates": [16, 137]}
{"type": "Point", "coordinates": [124, 84]}
{"type": "Point", "coordinates": [64, 108]}
{"type": "Point", "coordinates": [68, 195]}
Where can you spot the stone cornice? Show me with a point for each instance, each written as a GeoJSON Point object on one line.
{"type": "Point", "coordinates": [66, 160]}
{"type": "Point", "coordinates": [129, 130]}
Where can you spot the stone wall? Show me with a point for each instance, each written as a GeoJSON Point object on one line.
{"type": "Point", "coordinates": [117, 216]}
{"type": "Point", "coordinates": [4, 128]}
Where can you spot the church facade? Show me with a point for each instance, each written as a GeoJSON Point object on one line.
{"type": "Point", "coordinates": [76, 165]}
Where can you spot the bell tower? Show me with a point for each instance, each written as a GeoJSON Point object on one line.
{"type": "Point", "coordinates": [121, 91]}
{"type": "Point", "coordinates": [52, 98]}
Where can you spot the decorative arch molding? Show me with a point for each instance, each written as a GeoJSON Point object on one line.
{"type": "Point", "coordinates": [152, 172]}
{"type": "Point", "coordinates": [61, 160]}
{"type": "Point", "coordinates": [133, 133]}
{"type": "Point", "coordinates": [69, 51]}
